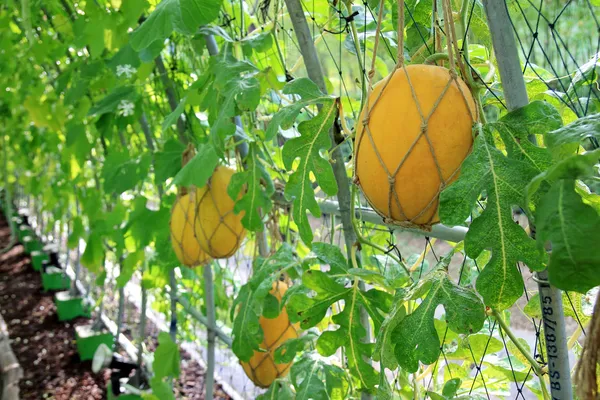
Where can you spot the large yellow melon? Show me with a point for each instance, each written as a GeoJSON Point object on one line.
{"type": "Point", "coordinates": [396, 156]}
{"type": "Point", "coordinates": [183, 238]}
{"type": "Point", "coordinates": [261, 368]}
{"type": "Point", "coordinates": [218, 229]}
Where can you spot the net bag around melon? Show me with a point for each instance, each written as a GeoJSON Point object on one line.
{"type": "Point", "coordinates": [262, 368]}
{"type": "Point", "coordinates": [413, 134]}
{"type": "Point", "coordinates": [181, 223]}
{"type": "Point", "coordinates": [218, 229]}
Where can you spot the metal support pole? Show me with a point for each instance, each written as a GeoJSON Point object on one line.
{"type": "Point", "coordinates": [209, 295]}
{"type": "Point", "coordinates": [515, 95]}
{"type": "Point", "coordinates": [315, 73]}
{"type": "Point", "coordinates": [142, 333]}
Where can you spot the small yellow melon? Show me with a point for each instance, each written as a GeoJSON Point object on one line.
{"type": "Point", "coordinates": [261, 368]}
{"type": "Point", "coordinates": [218, 229]}
{"type": "Point", "coordinates": [394, 164]}
{"type": "Point", "coordinates": [183, 238]}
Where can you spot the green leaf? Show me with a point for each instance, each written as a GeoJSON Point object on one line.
{"type": "Point", "coordinates": [161, 389]}
{"type": "Point", "coordinates": [571, 226]}
{"type": "Point", "coordinates": [384, 347]}
{"type": "Point", "coordinates": [310, 310]}
{"type": "Point", "coordinates": [122, 173]}
{"type": "Point", "coordinates": [573, 306]}
{"type": "Point", "coordinates": [77, 232]}
{"type": "Point", "coordinates": [195, 13]}
{"type": "Point", "coordinates": [331, 255]}
{"type": "Point", "coordinates": [166, 357]}
{"type": "Point", "coordinates": [157, 27]}
{"type": "Point", "coordinates": [172, 118]}
{"type": "Point", "coordinates": [238, 89]}
{"type": "Point", "coordinates": [567, 139]}
{"type": "Point", "coordinates": [416, 332]}
{"type": "Point", "coordinates": [315, 379]}
{"type": "Point", "coordinates": [279, 390]}
{"type": "Point", "coordinates": [573, 167]}
{"type": "Point", "coordinates": [168, 160]}
{"type": "Point", "coordinates": [314, 139]}
{"type": "Point", "coordinates": [309, 94]}
{"type": "Point", "coordinates": [256, 199]}
{"type": "Point", "coordinates": [288, 350]}
{"type": "Point", "coordinates": [197, 171]}
{"type": "Point", "coordinates": [93, 255]}
{"type": "Point", "coordinates": [249, 303]}
{"type": "Point", "coordinates": [504, 180]}
{"type": "Point", "coordinates": [110, 103]}
{"type": "Point", "coordinates": [128, 266]}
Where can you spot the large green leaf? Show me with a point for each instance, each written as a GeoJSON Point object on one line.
{"type": "Point", "coordinates": [166, 357]}
{"type": "Point", "coordinates": [199, 169]}
{"type": "Point", "coordinates": [238, 89]}
{"type": "Point", "coordinates": [314, 139]}
{"type": "Point", "coordinates": [249, 303]}
{"type": "Point", "coordinates": [113, 99]}
{"type": "Point", "coordinates": [567, 139]}
{"type": "Point", "coordinates": [199, 12]}
{"type": "Point", "coordinates": [168, 160]}
{"type": "Point", "coordinates": [93, 255]}
{"type": "Point", "coordinates": [157, 27]}
{"type": "Point", "coordinates": [256, 199]}
{"type": "Point", "coordinates": [503, 178]}
{"type": "Point", "coordinates": [571, 226]}
{"type": "Point", "coordinates": [122, 173]}
{"type": "Point", "coordinates": [309, 95]}
{"type": "Point", "coordinates": [416, 332]}
{"type": "Point", "coordinates": [315, 379]}
{"type": "Point", "coordinates": [310, 305]}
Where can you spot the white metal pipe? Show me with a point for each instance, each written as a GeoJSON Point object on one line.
{"type": "Point", "coordinates": [440, 231]}
{"type": "Point", "coordinates": [515, 94]}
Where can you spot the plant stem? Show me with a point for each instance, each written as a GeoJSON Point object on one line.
{"type": "Point", "coordinates": [534, 364]}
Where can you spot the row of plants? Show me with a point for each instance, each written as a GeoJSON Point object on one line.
{"type": "Point", "coordinates": [186, 128]}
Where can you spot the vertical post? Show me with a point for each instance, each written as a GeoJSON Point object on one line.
{"type": "Point", "coordinates": [242, 148]}
{"type": "Point", "coordinates": [315, 73]}
{"type": "Point", "coordinates": [142, 332]}
{"type": "Point", "coordinates": [515, 95]}
{"type": "Point", "coordinates": [209, 294]}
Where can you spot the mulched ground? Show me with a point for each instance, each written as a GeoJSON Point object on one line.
{"type": "Point", "coordinates": [45, 347]}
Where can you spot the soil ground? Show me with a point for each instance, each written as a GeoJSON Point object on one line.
{"type": "Point", "coordinates": [45, 346]}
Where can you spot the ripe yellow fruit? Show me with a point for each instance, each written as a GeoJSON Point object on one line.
{"type": "Point", "coordinates": [261, 368]}
{"type": "Point", "coordinates": [407, 190]}
{"type": "Point", "coordinates": [183, 239]}
{"type": "Point", "coordinates": [218, 229]}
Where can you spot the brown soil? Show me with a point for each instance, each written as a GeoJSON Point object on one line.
{"type": "Point", "coordinates": [45, 346]}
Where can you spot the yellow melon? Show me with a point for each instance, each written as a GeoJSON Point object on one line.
{"type": "Point", "coordinates": [218, 229]}
{"type": "Point", "coordinates": [183, 238]}
{"type": "Point", "coordinates": [261, 368]}
{"type": "Point", "coordinates": [395, 165]}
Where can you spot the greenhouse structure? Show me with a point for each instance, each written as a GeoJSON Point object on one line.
{"type": "Point", "coordinates": [299, 199]}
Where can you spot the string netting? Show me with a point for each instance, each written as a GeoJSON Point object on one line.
{"type": "Point", "coordinates": [404, 146]}
{"type": "Point", "coordinates": [262, 368]}
{"type": "Point", "coordinates": [218, 228]}
{"type": "Point", "coordinates": [182, 221]}
{"type": "Point", "coordinates": [490, 364]}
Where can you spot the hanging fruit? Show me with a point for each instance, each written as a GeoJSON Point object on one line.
{"type": "Point", "coordinates": [218, 229]}
{"type": "Point", "coordinates": [183, 216]}
{"type": "Point", "coordinates": [413, 135]}
{"type": "Point", "coordinates": [261, 368]}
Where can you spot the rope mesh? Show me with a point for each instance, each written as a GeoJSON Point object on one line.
{"type": "Point", "coordinates": [419, 155]}
{"type": "Point", "coordinates": [218, 229]}
{"type": "Point", "coordinates": [262, 368]}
